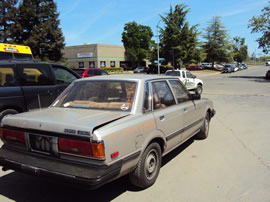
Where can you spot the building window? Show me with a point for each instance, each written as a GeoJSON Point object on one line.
{"type": "Point", "coordinates": [92, 64]}
{"type": "Point", "coordinates": [102, 64]}
{"type": "Point", "coordinates": [81, 64]}
{"type": "Point", "coordinates": [112, 63]}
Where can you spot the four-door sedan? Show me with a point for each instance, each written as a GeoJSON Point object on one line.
{"type": "Point", "coordinates": [102, 128]}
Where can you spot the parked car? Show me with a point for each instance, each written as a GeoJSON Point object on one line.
{"type": "Point", "coordinates": [267, 63]}
{"type": "Point", "coordinates": [153, 69]}
{"type": "Point", "coordinates": [189, 80]}
{"type": "Point", "coordinates": [124, 125]}
{"type": "Point", "coordinates": [267, 75]}
{"type": "Point", "coordinates": [88, 72]}
{"type": "Point", "coordinates": [206, 65]}
{"type": "Point", "coordinates": [26, 85]}
{"type": "Point", "coordinates": [140, 70]}
{"type": "Point", "coordinates": [194, 67]}
{"type": "Point", "coordinates": [218, 67]}
{"type": "Point", "coordinates": [227, 69]}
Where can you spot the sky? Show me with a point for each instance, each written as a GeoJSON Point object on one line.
{"type": "Point", "coordinates": [103, 21]}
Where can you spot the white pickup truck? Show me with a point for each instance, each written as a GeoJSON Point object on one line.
{"type": "Point", "coordinates": [188, 79]}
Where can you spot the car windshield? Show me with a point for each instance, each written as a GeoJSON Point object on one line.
{"type": "Point", "coordinates": [98, 94]}
{"type": "Point", "coordinates": [173, 73]}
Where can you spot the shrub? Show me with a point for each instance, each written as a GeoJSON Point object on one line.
{"type": "Point", "coordinates": [113, 69]}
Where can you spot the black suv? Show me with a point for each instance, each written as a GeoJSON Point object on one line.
{"type": "Point", "coordinates": [29, 85]}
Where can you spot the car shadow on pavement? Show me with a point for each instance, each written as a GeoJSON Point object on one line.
{"type": "Point", "coordinates": [260, 79]}
{"type": "Point", "coordinates": [22, 187]}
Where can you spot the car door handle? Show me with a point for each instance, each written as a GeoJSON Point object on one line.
{"type": "Point", "coordinates": [162, 118]}
{"type": "Point", "coordinates": [185, 109]}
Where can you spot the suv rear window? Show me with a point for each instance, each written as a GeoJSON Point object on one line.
{"type": "Point", "coordinates": [7, 77]}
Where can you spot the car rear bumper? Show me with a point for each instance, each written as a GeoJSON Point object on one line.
{"type": "Point", "coordinates": [89, 176]}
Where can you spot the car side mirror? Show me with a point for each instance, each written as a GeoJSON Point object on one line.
{"type": "Point", "coordinates": [195, 96]}
{"type": "Point", "coordinates": [194, 76]}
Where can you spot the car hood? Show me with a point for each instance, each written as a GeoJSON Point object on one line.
{"type": "Point", "coordinates": [62, 120]}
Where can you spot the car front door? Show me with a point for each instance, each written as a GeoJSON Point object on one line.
{"type": "Point", "coordinates": [168, 115]}
{"type": "Point", "coordinates": [63, 77]}
{"type": "Point", "coordinates": [190, 84]}
{"type": "Point", "coordinates": [37, 85]}
{"type": "Point", "coordinates": [191, 110]}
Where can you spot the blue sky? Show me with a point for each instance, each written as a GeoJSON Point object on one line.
{"type": "Point", "coordinates": [102, 21]}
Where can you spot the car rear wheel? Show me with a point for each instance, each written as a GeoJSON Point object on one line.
{"type": "Point", "coordinates": [6, 112]}
{"type": "Point", "coordinates": [203, 134]}
{"type": "Point", "coordinates": [148, 167]}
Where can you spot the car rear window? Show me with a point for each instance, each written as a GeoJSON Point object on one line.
{"type": "Point", "coordinates": [173, 73]}
{"type": "Point", "coordinates": [95, 94]}
{"type": "Point", "coordinates": [7, 77]}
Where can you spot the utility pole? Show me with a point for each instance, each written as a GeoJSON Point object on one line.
{"type": "Point", "coordinates": [158, 46]}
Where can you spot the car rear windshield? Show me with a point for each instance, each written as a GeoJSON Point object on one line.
{"type": "Point", "coordinates": [97, 94]}
{"type": "Point", "coordinates": [78, 71]}
{"type": "Point", "coordinates": [173, 73]}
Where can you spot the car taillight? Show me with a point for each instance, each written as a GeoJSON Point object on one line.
{"type": "Point", "coordinates": [14, 136]}
{"type": "Point", "coordinates": [81, 148]}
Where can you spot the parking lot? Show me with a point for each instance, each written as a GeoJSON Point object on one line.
{"type": "Point", "coordinates": [233, 164]}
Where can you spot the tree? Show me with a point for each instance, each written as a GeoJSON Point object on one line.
{"type": "Point", "coordinates": [137, 42]}
{"type": "Point", "coordinates": [178, 40]}
{"type": "Point", "coordinates": [38, 27]}
{"type": "Point", "coordinates": [261, 24]}
{"type": "Point", "coordinates": [240, 50]}
{"type": "Point", "coordinates": [216, 46]}
{"type": "Point", "coordinates": [8, 12]}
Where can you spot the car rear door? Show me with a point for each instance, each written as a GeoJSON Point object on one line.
{"type": "Point", "coordinates": [168, 115]}
{"type": "Point", "coordinates": [11, 95]}
{"type": "Point", "coordinates": [37, 84]}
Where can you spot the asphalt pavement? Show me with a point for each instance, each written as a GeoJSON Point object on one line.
{"type": "Point", "coordinates": [232, 164]}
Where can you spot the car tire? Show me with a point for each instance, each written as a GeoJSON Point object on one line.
{"type": "Point", "coordinates": [199, 89]}
{"type": "Point", "coordinates": [203, 134]}
{"type": "Point", "coordinates": [6, 112]}
{"type": "Point", "coordinates": [148, 167]}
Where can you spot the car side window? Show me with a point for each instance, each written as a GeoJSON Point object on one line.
{"type": "Point", "coordinates": [33, 75]}
{"type": "Point", "coordinates": [62, 75]}
{"type": "Point", "coordinates": [7, 77]}
{"type": "Point", "coordinates": [162, 95]}
{"type": "Point", "coordinates": [189, 75]}
{"type": "Point", "coordinates": [179, 91]}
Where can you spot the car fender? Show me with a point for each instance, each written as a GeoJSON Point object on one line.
{"type": "Point", "coordinates": [152, 136]}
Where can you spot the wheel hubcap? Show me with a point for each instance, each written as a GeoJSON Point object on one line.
{"type": "Point", "coordinates": [151, 164]}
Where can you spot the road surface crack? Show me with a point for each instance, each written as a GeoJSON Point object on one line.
{"type": "Point", "coordinates": [245, 146]}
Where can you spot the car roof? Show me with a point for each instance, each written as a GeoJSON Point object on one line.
{"type": "Point", "coordinates": [25, 62]}
{"type": "Point", "coordinates": [126, 77]}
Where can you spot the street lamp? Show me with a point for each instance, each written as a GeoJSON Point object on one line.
{"type": "Point", "coordinates": [158, 46]}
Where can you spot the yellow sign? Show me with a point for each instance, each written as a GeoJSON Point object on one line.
{"type": "Point", "coordinates": [11, 48]}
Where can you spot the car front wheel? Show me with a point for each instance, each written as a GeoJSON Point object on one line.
{"type": "Point", "coordinates": [199, 89]}
{"type": "Point", "coordinates": [148, 167]}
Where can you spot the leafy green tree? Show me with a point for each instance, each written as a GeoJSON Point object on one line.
{"type": "Point", "coordinates": [179, 41]}
{"type": "Point", "coordinates": [8, 12]}
{"type": "Point", "coordinates": [38, 27]}
{"type": "Point", "coordinates": [137, 42]}
{"type": "Point", "coordinates": [216, 46]}
{"type": "Point", "coordinates": [261, 24]}
{"type": "Point", "coordinates": [240, 50]}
